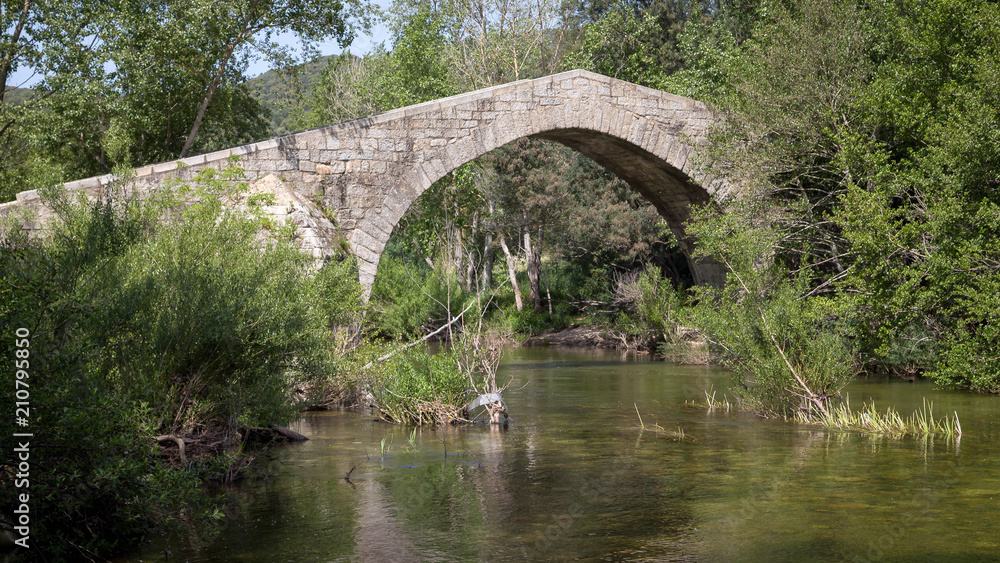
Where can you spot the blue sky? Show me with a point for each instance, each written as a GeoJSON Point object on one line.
{"type": "Point", "coordinates": [362, 45]}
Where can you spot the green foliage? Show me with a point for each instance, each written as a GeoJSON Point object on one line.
{"type": "Point", "coordinates": [131, 83]}
{"type": "Point", "coordinates": [408, 298]}
{"type": "Point", "coordinates": [149, 317]}
{"type": "Point", "coordinates": [414, 71]}
{"type": "Point", "coordinates": [864, 132]}
{"type": "Point", "coordinates": [788, 353]}
{"type": "Point", "coordinates": [420, 387]}
{"type": "Point", "coordinates": [925, 225]}
{"type": "Point", "coordinates": [619, 45]}
{"type": "Point", "coordinates": [660, 304]}
{"type": "Point", "coordinates": [529, 321]}
{"type": "Point", "coordinates": [707, 51]}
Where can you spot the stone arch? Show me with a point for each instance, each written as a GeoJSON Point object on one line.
{"type": "Point", "coordinates": [646, 137]}
{"type": "Point", "coordinates": [367, 172]}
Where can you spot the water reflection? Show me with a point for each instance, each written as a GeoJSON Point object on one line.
{"type": "Point", "coordinates": [575, 478]}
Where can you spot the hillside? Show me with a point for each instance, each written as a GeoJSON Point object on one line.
{"type": "Point", "coordinates": [283, 91]}
{"type": "Point", "coordinates": [16, 95]}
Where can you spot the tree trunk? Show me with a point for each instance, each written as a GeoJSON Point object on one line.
{"type": "Point", "coordinates": [511, 272]}
{"type": "Point", "coordinates": [213, 85]}
{"type": "Point", "coordinates": [470, 257]}
{"type": "Point", "coordinates": [487, 276]}
{"type": "Point", "coordinates": [534, 270]}
{"type": "Point", "coordinates": [548, 294]}
{"type": "Point", "coordinates": [457, 256]}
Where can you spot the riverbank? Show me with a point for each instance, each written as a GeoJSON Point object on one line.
{"type": "Point", "coordinates": [689, 349]}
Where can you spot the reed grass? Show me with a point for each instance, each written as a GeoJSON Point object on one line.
{"type": "Point", "coordinates": [677, 435]}
{"type": "Point", "coordinates": [715, 404]}
{"type": "Point", "coordinates": [889, 423]}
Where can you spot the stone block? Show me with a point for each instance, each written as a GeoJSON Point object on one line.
{"type": "Point", "coordinates": [265, 145]}
{"type": "Point", "coordinates": [28, 196]}
{"type": "Point", "coordinates": [164, 167]}
{"type": "Point", "coordinates": [192, 161]}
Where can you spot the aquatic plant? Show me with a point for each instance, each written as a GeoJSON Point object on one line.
{"type": "Point", "coordinates": [677, 435]}
{"type": "Point", "coordinates": [888, 423]}
{"type": "Point", "coordinates": [418, 387]}
{"type": "Point", "coordinates": [715, 404]}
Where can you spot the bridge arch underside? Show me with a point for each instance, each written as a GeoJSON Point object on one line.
{"type": "Point", "coordinates": [647, 137]}
{"type": "Point", "coordinates": [668, 189]}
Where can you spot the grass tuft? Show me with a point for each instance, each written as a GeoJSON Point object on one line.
{"type": "Point", "coordinates": [888, 423]}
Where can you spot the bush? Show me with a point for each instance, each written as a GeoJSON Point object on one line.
{"type": "Point", "coordinates": [419, 387]}
{"type": "Point", "coordinates": [788, 351]}
{"type": "Point", "coordinates": [143, 326]}
{"type": "Point", "coordinates": [408, 299]}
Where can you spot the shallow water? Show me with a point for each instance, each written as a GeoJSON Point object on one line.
{"type": "Point", "coordinates": [574, 477]}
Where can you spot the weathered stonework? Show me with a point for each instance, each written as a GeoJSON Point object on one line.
{"type": "Point", "coordinates": [367, 172]}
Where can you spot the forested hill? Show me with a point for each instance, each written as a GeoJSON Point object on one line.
{"type": "Point", "coordinates": [277, 91]}
{"type": "Point", "coordinates": [281, 92]}
{"type": "Point", "coordinates": [15, 95]}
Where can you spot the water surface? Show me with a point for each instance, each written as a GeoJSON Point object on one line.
{"type": "Point", "coordinates": [575, 478]}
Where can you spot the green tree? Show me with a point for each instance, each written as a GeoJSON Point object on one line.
{"type": "Point", "coordinates": [137, 81]}
{"type": "Point", "coordinates": [860, 130]}
{"type": "Point", "coordinates": [414, 71]}
{"type": "Point", "coordinates": [33, 35]}
{"type": "Point", "coordinates": [620, 45]}
{"type": "Point", "coordinates": [923, 219]}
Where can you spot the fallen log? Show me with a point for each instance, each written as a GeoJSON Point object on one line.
{"type": "Point", "coordinates": [290, 435]}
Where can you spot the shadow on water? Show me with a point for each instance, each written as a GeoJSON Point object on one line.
{"type": "Point", "coordinates": [575, 478]}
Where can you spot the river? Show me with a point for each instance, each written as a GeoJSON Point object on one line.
{"type": "Point", "coordinates": [575, 477]}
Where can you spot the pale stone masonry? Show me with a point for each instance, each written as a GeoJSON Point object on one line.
{"type": "Point", "coordinates": [367, 172]}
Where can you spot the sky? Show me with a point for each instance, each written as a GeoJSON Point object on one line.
{"type": "Point", "coordinates": [362, 44]}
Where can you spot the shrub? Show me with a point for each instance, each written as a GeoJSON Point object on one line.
{"type": "Point", "coordinates": [409, 298]}
{"type": "Point", "coordinates": [419, 387]}
{"type": "Point", "coordinates": [787, 350]}
{"type": "Point", "coordinates": [142, 326]}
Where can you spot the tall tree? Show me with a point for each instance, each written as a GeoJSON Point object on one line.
{"type": "Point", "coordinates": [498, 41]}
{"type": "Point", "coordinates": [136, 81]}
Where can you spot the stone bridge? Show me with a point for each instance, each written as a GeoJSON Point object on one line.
{"type": "Point", "coordinates": [367, 172]}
